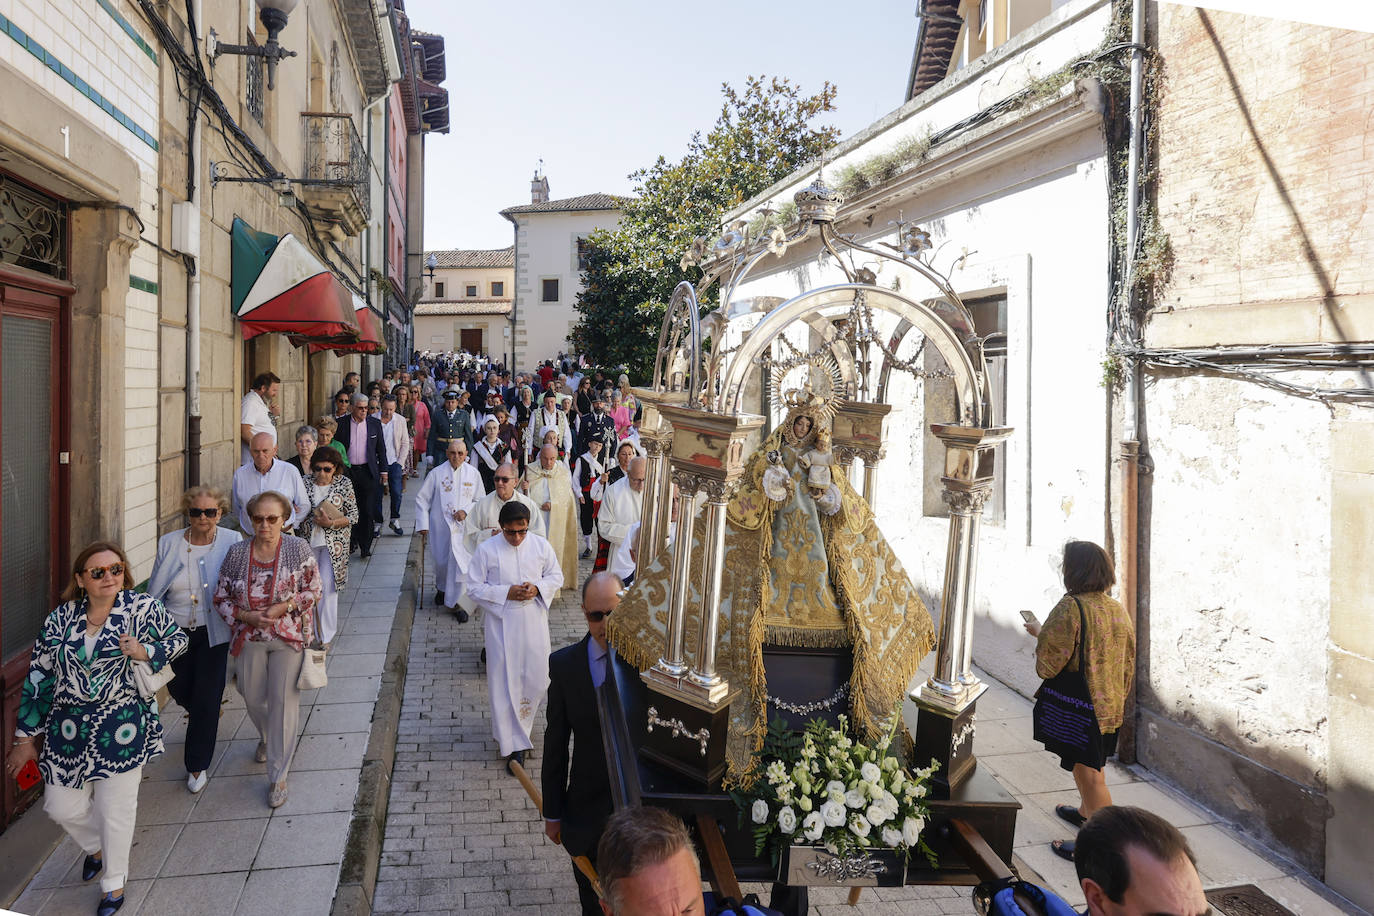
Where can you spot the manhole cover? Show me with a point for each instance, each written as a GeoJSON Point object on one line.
{"type": "Point", "coordinates": [1245, 900]}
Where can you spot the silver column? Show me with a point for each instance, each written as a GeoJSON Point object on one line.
{"type": "Point", "coordinates": [673, 664]}
{"type": "Point", "coordinates": [704, 674]}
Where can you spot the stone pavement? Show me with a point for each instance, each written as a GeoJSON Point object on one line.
{"type": "Point", "coordinates": [224, 850]}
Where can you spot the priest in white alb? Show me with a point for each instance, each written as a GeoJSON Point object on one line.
{"type": "Point", "coordinates": [549, 484]}
{"type": "Point", "coordinates": [620, 509]}
{"type": "Point", "coordinates": [441, 507]}
{"type": "Point", "coordinates": [514, 577]}
{"type": "Point", "coordinates": [481, 522]}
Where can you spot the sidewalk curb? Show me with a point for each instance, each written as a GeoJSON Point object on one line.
{"type": "Point", "coordinates": [367, 828]}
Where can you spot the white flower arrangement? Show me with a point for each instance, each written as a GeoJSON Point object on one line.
{"type": "Point", "coordinates": [823, 788]}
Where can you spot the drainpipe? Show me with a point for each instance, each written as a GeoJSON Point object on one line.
{"type": "Point", "coordinates": [193, 161]}
{"type": "Point", "coordinates": [1130, 434]}
{"type": "Point", "coordinates": [381, 218]}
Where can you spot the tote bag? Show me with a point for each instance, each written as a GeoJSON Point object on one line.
{"type": "Point", "coordinates": [1064, 718]}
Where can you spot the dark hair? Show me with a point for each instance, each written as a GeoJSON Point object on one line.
{"type": "Point", "coordinates": [636, 839]}
{"type": "Point", "coordinates": [619, 583]}
{"type": "Point", "coordinates": [1103, 842]}
{"type": "Point", "coordinates": [513, 511]}
{"type": "Point", "coordinates": [73, 591]}
{"type": "Point", "coordinates": [388, 397]}
{"type": "Point", "coordinates": [263, 379]}
{"type": "Point", "coordinates": [327, 456]}
{"type": "Point", "coordinates": [1087, 568]}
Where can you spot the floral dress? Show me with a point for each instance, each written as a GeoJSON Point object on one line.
{"type": "Point", "coordinates": [246, 585]}
{"type": "Point", "coordinates": [95, 722]}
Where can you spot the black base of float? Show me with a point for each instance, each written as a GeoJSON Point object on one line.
{"type": "Point", "coordinates": [948, 740]}
{"type": "Point", "coordinates": [686, 739]}
{"type": "Point", "coordinates": [980, 802]}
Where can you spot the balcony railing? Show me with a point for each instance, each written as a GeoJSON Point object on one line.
{"type": "Point", "coordinates": [337, 179]}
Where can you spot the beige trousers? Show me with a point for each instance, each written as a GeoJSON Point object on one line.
{"type": "Point", "coordinates": [100, 816]}
{"type": "Point", "coordinates": [267, 673]}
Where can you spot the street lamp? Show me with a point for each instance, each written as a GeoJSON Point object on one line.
{"type": "Point", "coordinates": [273, 14]}
{"type": "Point", "coordinates": [431, 262]}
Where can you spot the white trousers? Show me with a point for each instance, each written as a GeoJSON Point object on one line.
{"type": "Point", "coordinates": [267, 680]}
{"type": "Point", "coordinates": [327, 608]}
{"type": "Point", "coordinates": [99, 816]}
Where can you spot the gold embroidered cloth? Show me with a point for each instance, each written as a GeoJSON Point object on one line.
{"type": "Point", "coordinates": [795, 577]}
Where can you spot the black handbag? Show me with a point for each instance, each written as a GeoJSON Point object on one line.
{"type": "Point", "coordinates": [1064, 718]}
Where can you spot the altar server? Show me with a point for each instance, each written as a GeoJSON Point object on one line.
{"type": "Point", "coordinates": [620, 510]}
{"type": "Point", "coordinates": [513, 578]}
{"type": "Point", "coordinates": [442, 505]}
{"type": "Point", "coordinates": [549, 484]}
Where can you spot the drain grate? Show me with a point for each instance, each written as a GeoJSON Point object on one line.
{"type": "Point", "coordinates": [1245, 900]}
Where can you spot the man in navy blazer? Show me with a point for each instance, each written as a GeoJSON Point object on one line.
{"type": "Point", "coordinates": [361, 437]}
{"type": "Point", "coordinates": [577, 801]}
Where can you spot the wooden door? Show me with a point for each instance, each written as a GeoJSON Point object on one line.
{"type": "Point", "coordinates": [470, 339]}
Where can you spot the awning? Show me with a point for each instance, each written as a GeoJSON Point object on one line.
{"type": "Point", "coordinates": [372, 340]}
{"type": "Point", "coordinates": [278, 284]}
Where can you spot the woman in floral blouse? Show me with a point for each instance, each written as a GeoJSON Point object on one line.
{"type": "Point", "coordinates": [328, 532]}
{"type": "Point", "coordinates": [268, 589]}
{"type": "Point", "coordinates": [97, 730]}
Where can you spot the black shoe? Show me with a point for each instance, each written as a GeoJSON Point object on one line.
{"type": "Point", "coordinates": [463, 618]}
{"type": "Point", "coordinates": [366, 554]}
{"type": "Point", "coordinates": [586, 553]}
{"type": "Point", "coordinates": [517, 757]}
{"type": "Point", "coordinates": [397, 529]}
{"type": "Point", "coordinates": [484, 655]}
{"type": "Point", "coordinates": [91, 867]}
{"type": "Point", "coordinates": [438, 597]}
{"type": "Point", "coordinates": [109, 905]}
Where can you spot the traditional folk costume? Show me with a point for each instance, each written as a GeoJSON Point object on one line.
{"type": "Point", "coordinates": [620, 510]}
{"type": "Point", "coordinates": [534, 433]}
{"type": "Point", "coordinates": [516, 633]}
{"type": "Point", "coordinates": [587, 476]}
{"type": "Point", "coordinates": [487, 456]}
{"type": "Point", "coordinates": [446, 492]}
{"type": "Point", "coordinates": [802, 568]}
{"type": "Point", "coordinates": [482, 521]}
{"type": "Point", "coordinates": [554, 487]}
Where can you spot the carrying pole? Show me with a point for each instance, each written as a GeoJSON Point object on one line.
{"type": "Point", "coordinates": [583, 864]}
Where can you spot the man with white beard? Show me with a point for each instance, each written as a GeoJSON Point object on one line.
{"type": "Point", "coordinates": [482, 521]}
{"type": "Point", "coordinates": [514, 577]}
{"type": "Point", "coordinates": [443, 504]}
{"type": "Point", "coordinates": [620, 509]}
{"type": "Point", "coordinates": [550, 486]}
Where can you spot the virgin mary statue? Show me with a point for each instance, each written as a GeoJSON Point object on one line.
{"type": "Point", "coordinates": [805, 567]}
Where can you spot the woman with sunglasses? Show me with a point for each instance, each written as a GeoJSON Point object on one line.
{"type": "Point", "coordinates": [267, 592]}
{"type": "Point", "coordinates": [327, 530]}
{"type": "Point", "coordinates": [81, 697]}
{"type": "Point", "coordinates": [184, 578]}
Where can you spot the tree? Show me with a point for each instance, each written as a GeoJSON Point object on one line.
{"type": "Point", "coordinates": [762, 135]}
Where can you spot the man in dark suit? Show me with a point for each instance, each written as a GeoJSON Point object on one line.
{"type": "Point", "coordinates": [361, 437]}
{"type": "Point", "coordinates": [577, 803]}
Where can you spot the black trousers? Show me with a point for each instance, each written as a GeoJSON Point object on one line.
{"type": "Point", "coordinates": [365, 489]}
{"type": "Point", "coordinates": [591, 904]}
{"type": "Point", "coordinates": [197, 686]}
{"type": "Point", "coordinates": [587, 512]}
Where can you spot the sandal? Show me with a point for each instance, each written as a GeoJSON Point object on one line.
{"type": "Point", "coordinates": [1063, 848]}
{"type": "Point", "coordinates": [1070, 813]}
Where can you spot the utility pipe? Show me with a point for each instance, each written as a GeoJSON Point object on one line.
{"type": "Point", "coordinates": [193, 341]}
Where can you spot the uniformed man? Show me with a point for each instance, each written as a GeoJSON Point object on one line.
{"type": "Point", "coordinates": [452, 421]}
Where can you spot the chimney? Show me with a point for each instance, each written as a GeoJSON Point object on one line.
{"type": "Point", "coordinates": [539, 189]}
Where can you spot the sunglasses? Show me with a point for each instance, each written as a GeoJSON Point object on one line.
{"type": "Point", "coordinates": [208, 513]}
{"type": "Point", "coordinates": [597, 616]}
{"type": "Point", "coordinates": [322, 467]}
{"type": "Point", "coordinates": [98, 572]}
{"type": "Point", "coordinates": [269, 519]}
{"type": "Point", "coordinates": [503, 478]}
{"type": "Point", "coordinates": [515, 532]}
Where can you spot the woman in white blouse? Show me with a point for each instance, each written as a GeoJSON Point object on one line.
{"type": "Point", "coordinates": [184, 578]}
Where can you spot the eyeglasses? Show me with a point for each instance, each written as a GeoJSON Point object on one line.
{"type": "Point", "coordinates": [98, 572]}
{"type": "Point", "coordinates": [260, 519]}
{"type": "Point", "coordinates": [208, 513]}
{"type": "Point", "coordinates": [322, 467]}
{"type": "Point", "coordinates": [515, 532]}
{"type": "Point", "coordinates": [597, 616]}
{"type": "Point", "coordinates": [503, 478]}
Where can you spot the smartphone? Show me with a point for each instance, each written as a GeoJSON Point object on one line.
{"type": "Point", "coordinates": [28, 776]}
{"type": "Point", "coordinates": [1028, 617]}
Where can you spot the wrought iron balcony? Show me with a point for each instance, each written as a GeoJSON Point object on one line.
{"type": "Point", "coordinates": [336, 186]}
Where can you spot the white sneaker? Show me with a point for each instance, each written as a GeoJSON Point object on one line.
{"type": "Point", "coordinates": [195, 783]}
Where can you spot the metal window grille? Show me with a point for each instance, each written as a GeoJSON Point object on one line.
{"type": "Point", "coordinates": [33, 229]}
{"type": "Point", "coordinates": [253, 95]}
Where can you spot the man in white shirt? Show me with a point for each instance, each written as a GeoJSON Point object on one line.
{"type": "Point", "coordinates": [396, 437]}
{"type": "Point", "coordinates": [548, 415]}
{"type": "Point", "coordinates": [442, 505]}
{"type": "Point", "coordinates": [482, 521]}
{"type": "Point", "coordinates": [265, 471]}
{"type": "Point", "coordinates": [620, 509]}
{"type": "Point", "coordinates": [513, 578]}
{"type": "Point", "coordinates": [255, 414]}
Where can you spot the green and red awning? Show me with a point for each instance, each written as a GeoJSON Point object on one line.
{"type": "Point", "coordinates": [278, 284]}
{"type": "Point", "coordinates": [371, 340]}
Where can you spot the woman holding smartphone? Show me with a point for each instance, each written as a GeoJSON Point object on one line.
{"type": "Point", "coordinates": [81, 698]}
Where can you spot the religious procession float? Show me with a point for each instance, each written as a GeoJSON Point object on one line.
{"type": "Point", "coordinates": [776, 632]}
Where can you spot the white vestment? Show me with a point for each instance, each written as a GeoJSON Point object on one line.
{"type": "Point", "coordinates": [623, 559]}
{"type": "Point", "coordinates": [516, 632]}
{"type": "Point", "coordinates": [619, 510]}
{"type": "Point", "coordinates": [560, 522]}
{"type": "Point", "coordinates": [446, 492]}
{"type": "Point", "coordinates": [482, 521]}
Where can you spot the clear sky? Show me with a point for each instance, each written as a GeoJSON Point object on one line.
{"type": "Point", "coordinates": [598, 89]}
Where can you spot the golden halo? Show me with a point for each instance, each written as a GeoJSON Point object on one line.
{"type": "Point", "coordinates": [822, 405]}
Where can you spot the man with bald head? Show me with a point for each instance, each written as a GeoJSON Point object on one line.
{"type": "Point", "coordinates": [441, 507]}
{"type": "Point", "coordinates": [482, 521]}
{"type": "Point", "coordinates": [363, 440]}
{"type": "Point", "coordinates": [550, 485]}
{"type": "Point", "coordinates": [265, 471]}
{"type": "Point", "coordinates": [620, 509]}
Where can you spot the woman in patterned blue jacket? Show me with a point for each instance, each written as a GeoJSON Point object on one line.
{"type": "Point", "coordinates": [81, 699]}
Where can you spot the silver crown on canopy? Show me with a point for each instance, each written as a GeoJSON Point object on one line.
{"type": "Point", "coordinates": [818, 202]}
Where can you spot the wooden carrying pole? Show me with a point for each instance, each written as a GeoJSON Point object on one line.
{"type": "Point", "coordinates": [583, 864]}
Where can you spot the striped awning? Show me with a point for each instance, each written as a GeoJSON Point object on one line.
{"type": "Point", "coordinates": [278, 284]}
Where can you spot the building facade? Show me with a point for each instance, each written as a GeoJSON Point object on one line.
{"type": "Point", "coordinates": [550, 252]}
{"type": "Point", "coordinates": [468, 302]}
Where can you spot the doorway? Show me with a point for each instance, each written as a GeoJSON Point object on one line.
{"type": "Point", "coordinates": [470, 339]}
